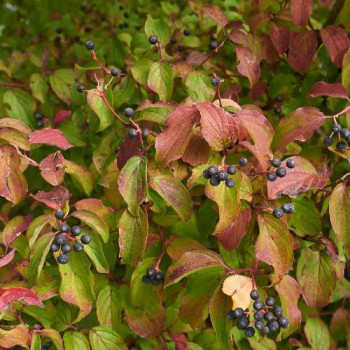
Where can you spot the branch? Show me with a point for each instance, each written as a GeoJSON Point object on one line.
{"type": "Point", "coordinates": [335, 12]}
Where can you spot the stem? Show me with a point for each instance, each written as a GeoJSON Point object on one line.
{"type": "Point", "coordinates": [94, 57]}
{"type": "Point", "coordinates": [11, 85]}
{"type": "Point", "coordinates": [335, 12]}
{"type": "Point", "coordinates": [160, 50]}
{"type": "Point", "coordinates": [218, 95]}
{"type": "Point", "coordinates": [103, 96]}
{"type": "Point", "coordinates": [212, 53]}
{"type": "Point", "coordinates": [163, 247]}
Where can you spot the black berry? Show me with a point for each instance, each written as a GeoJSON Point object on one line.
{"type": "Point", "coordinates": [273, 326]}
{"type": "Point", "coordinates": [90, 45]}
{"type": "Point", "coordinates": [336, 127]}
{"type": "Point", "coordinates": [271, 176]}
{"type": "Point", "coordinates": [231, 170]}
{"type": "Point", "coordinates": [187, 32]}
{"type": "Point", "coordinates": [54, 247]}
{"type": "Point", "coordinates": [59, 214]}
{"type": "Point", "coordinates": [145, 132]}
{"type": "Point", "coordinates": [258, 315]}
{"type": "Point", "coordinates": [269, 316]}
{"type": "Point", "coordinates": [146, 280]}
{"type": "Point", "coordinates": [277, 213]}
{"type": "Point", "coordinates": [291, 208]}
{"type": "Point", "coordinates": [341, 146]}
{"type": "Point", "coordinates": [213, 45]}
{"type": "Point", "coordinates": [277, 310]}
{"type": "Point", "coordinates": [63, 259]}
{"type": "Point", "coordinates": [231, 315]}
{"type": "Point", "coordinates": [215, 81]}
{"type": "Point", "coordinates": [283, 322]}
{"type": "Point", "coordinates": [214, 181]}
{"type": "Point", "coordinates": [254, 294]}
{"type": "Point", "coordinates": [85, 239]}
{"type": "Point", "coordinates": [206, 174]}
{"type": "Point", "coordinates": [61, 240]}
{"type": "Point", "coordinates": [222, 175]}
{"type": "Point", "coordinates": [173, 40]}
{"type": "Point", "coordinates": [39, 116]}
{"type": "Point", "coordinates": [279, 98]}
{"type": "Point", "coordinates": [213, 36]}
{"type": "Point", "coordinates": [328, 141]}
{"type": "Point", "coordinates": [249, 332]}
{"type": "Point", "coordinates": [114, 72]}
{"type": "Point", "coordinates": [230, 183]}
{"type": "Point", "coordinates": [239, 312]}
{"type": "Point", "coordinates": [59, 30]}
{"type": "Point", "coordinates": [159, 276]}
{"type": "Point", "coordinates": [259, 325]}
{"type": "Point", "coordinates": [344, 133]}
{"type": "Point", "coordinates": [270, 301]}
{"type": "Point", "coordinates": [40, 123]}
{"type": "Point", "coordinates": [128, 112]}
{"type": "Point", "coordinates": [81, 88]}
{"type": "Point", "coordinates": [156, 282]}
{"type": "Point", "coordinates": [265, 330]}
{"type": "Point", "coordinates": [277, 110]}
{"type": "Point", "coordinates": [151, 272]}
{"type": "Point", "coordinates": [66, 248]}
{"type": "Point", "coordinates": [76, 230]}
{"type": "Point", "coordinates": [180, 48]}
{"type": "Point", "coordinates": [285, 207]}
{"type": "Point", "coordinates": [290, 163]}
{"type": "Point", "coordinates": [153, 39]}
{"type": "Point", "coordinates": [243, 323]}
{"type": "Point", "coordinates": [133, 133]}
{"type": "Point", "coordinates": [325, 102]}
{"type": "Point", "coordinates": [78, 247]}
{"type": "Point", "coordinates": [258, 305]}
{"type": "Point", "coordinates": [243, 161]}
{"type": "Point", "coordinates": [213, 170]}
{"type": "Point", "coordinates": [64, 227]}
{"type": "Point", "coordinates": [281, 172]}
{"type": "Point", "coordinates": [276, 162]}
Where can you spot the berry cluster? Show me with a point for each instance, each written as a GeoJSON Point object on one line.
{"type": "Point", "coordinates": [213, 43]}
{"type": "Point", "coordinates": [280, 171]}
{"type": "Point", "coordinates": [153, 276]}
{"type": "Point", "coordinates": [62, 239]}
{"type": "Point", "coordinates": [267, 318]}
{"type": "Point", "coordinates": [287, 208]}
{"type": "Point", "coordinates": [343, 135]}
{"type": "Point", "coordinates": [133, 133]}
{"type": "Point", "coordinates": [39, 119]}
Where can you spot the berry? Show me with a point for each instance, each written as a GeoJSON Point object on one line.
{"type": "Point", "coordinates": [285, 207]}
{"type": "Point", "coordinates": [146, 280]}
{"type": "Point", "coordinates": [279, 98]}
{"type": "Point", "coordinates": [206, 174]}
{"type": "Point", "coordinates": [231, 170]}
{"type": "Point", "coordinates": [213, 45]}
{"type": "Point", "coordinates": [145, 132]}
{"type": "Point", "coordinates": [57, 39]}
{"type": "Point", "coordinates": [328, 141]}
{"type": "Point", "coordinates": [126, 14]}
{"type": "Point", "coordinates": [277, 213]}
{"type": "Point", "coordinates": [258, 315]}
{"type": "Point", "coordinates": [290, 163]}
{"type": "Point", "coordinates": [336, 127]}
{"type": "Point", "coordinates": [59, 214]}
{"type": "Point", "coordinates": [153, 39]}
{"type": "Point", "coordinates": [215, 81]}
{"type": "Point", "coordinates": [277, 310]}
{"type": "Point", "coordinates": [259, 325]}
{"type": "Point", "coordinates": [180, 48]}
{"type": "Point", "coordinates": [254, 294]}
{"type": "Point", "coordinates": [273, 326]}
{"type": "Point", "coordinates": [61, 240]}
{"type": "Point", "coordinates": [81, 88]}
{"type": "Point", "coordinates": [40, 123]}
{"type": "Point", "coordinates": [243, 161]}
{"type": "Point", "coordinates": [270, 301]}
{"type": "Point", "coordinates": [159, 276]}
{"type": "Point", "coordinates": [121, 7]}
{"type": "Point", "coordinates": [271, 176]}
{"type": "Point", "coordinates": [173, 40]}
{"type": "Point", "coordinates": [66, 248]}
{"type": "Point", "coordinates": [54, 247]}
{"type": "Point", "coordinates": [230, 183]}
{"type": "Point", "coordinates": [187, 32]}
{"type": "Point", "coordinates": [276, 162]}
{"type": "Point", "coordinates": [90, 45]}
{"type": "Point", "coordinates": [213, 170]}
{"type": "Point", "coordinates": [265, 330]}
{"type": "Point", "coordinates": [325, 102]}
{"type": "Point", "coordinates": [281, 172]}
{"type": "Point", "coordinates": [39, 116]}
{"type": "Point", "coordinates": [291, 208]}
{"type": "Point", "coordinates": [239, 312]}
{"type": "Point", "coordinates": [249, 332]}
{"type": "Point", "coordinates": [214, 181]}
{"type": "Point", "coordinates": [269, 316]}
{"type": "Point", "coordinates": [78, 247]}
{"type": "Point", "coordinates": [344, 133]}
{"type": "Point", "coordinates": [151, 272]}
{"type": "Point", "coordinates": [85, 239]}
{"type": "Point", "coordinates": [114, 72]}
{"type": "Point", "coordinates": [213, 36]}
{"type": "Point", "coordinates": [258, 305]}
{"type": "Point", "coordinates": [283, 322]}
{"type": "Point", "coordinates": [341, 146]}
{"type": "Point", "coordinates": [75, 230]}
{"type": "Point", "coordinates": [156, 282]}
{"type": "Point", "coordinates": [133, 133]}
{"type": "Point", "coordinates": [63, 259]}
{"type": "Point", "coordinates": [231, 315]}
{"type": "Point", "coordinates": [59, 30]}
{"type": "Point", "coordinates": [243, 323]}
{"type": "Point", "coordinates": [128, 112]}
{"type": "Point", "coordinates": [64, 227]}
{"type": "Point", "coordinates": [222, 175]}
{"type": "Point", "coordinates": [277, 110]}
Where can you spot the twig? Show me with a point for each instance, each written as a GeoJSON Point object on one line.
{"type": "Point", "coordinates": [212, 53]}
{"type": "Point", "coordinates": [163, 247]}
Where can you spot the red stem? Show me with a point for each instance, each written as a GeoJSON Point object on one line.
{"type": "Point", "coordinates": [163, 247]}
{"type": "Point", "coordinates": [103, 95]}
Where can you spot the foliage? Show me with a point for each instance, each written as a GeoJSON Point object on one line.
{"type": "Point", "coordinates": [210, 85]}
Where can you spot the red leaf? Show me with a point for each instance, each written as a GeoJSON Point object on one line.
{"type": "Point", "coordinates": [197, 151]}
{"type": "Point", "coordinates": [300, 126]}
{"type": "Point", "coordinates": [52, 169]}
{"type": "Point", "coordinates": [336, 41]}
{"type": "Point", "coordinates": [14, 228]}
{"type": "Point", "coordinates": [302, 49]}
{"type": "Point", "coordinates": [237, 34]}
{"type": "Point", "coordinates": [248, 65]}
{"type": "Point", "coordinates": [52, 137]}
{"type": "Point", "coordinates": [336, 90]}
{"type": "Point", "coordinates": [261, 131]}
{"type": "Point", "coordinates": [24, 295]}
{"type": "Point", "coordinates": [172, 143]}
{"type": "Point", "coordinates": [62, 115]}
{"type": "Point", "coordinates": [215, 14]}
{"type": "Point", "coordinates": [54, 198]}
{"type": "Point", "coordinates": [128, 149]}
{"type": "Point", "coordinates": [218, 127]}
{"type": "Point", "coordinates": [6, 259]}
{"type": "Point", "coordinates": [301, 11]}
{"type": "Point", "coordinates": [298, 180]}
{"type": "Point", "coordinates": [268, 51]}
{"type": "Point", "coordinates": [231, 236]}
{"type": "Point", "coordinates": [280, 38]}
{"type": "Point", "coordinates": [257, 90]}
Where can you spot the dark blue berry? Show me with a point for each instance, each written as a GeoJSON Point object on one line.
{"type": "Point", "coordinates": [213, 170]}
{"type": "Point", "coordinates": [281, 172]}
{"type": "Point", "coordinates": [153, 39]}
{"type": "Point", "coordinates": [206, 174]}
{"type": "Point", "coordinates": [90, 45]}
{"type": "Point", "coordinates": [239, 312]}
{"type": "Point", "coordinates": [76, 230]}
{"type": "Point", "coordinates": [336, 127]}
{"type": "Point", "coordinates": [214, 181]}
{"type": "Point", "coordinates": [283, 322]}
{"type": "Point", "coordinates": [259, 325]}
{"type": "Point", "coordinates": [277, 213]}
{"type": "Point", "coordinates": [276, 162]}
{"type": "Point", "coordinates": [133, 133]}
{"type": "Point", "coordinates": [271, 176]}
{"type": "Point", "coordinates": [231, 170]}
{"type": "Point", "coordinates": [243, 161]}
{"type": "Point", "coordinates": [259, 315]}
{"type": "Point", "coordinates": [243, 323]}
{"type": "Point", "coordinates": [222, 175]}
{"type": "Point", "coordinates": [187, 32]}
{"type": "Point", "coordinates": [341, 146]}
{"type": "Point", "coordinates": [66, 248]}
{"type": "Point", "coordinates": [78, 247]}
{"type": "Point", "coordinates": [85, 239]}
{"type": "Point", "coordinates": [328, 141]}
{"type": "Point", "coordinates": [39, 116]}
{"type": "Point", "coordinates": [269, 316]}
{"type": "Point", "coordinates": [114, 72]}
{"type": "Point", "coordinates": [61, 240]}
{"type": "Point", "coordinates": [277, 310]}
{"type": "Point", "coordinates": [290, 163]}
{"type": "Point", "coordinates": [54, 247]}
{"type": "Point", "coordinates": [230, 183]}
{"type": "Point", "coordinates": [270, 301]}
{"type": "Point", "coordinates": [63, 259]}
{"type": "Point", "coordinates": [64, 228]}
{"type": "Point", "coordinates": [273, 326]}
{"type": "Point", "coordinates": [59, 214]}
{"type": "Point", "coordinates": [249, 332]}
{"type": "Point", "coordinates": [129, 112]}
{"type": "Point", "coordinates": [258, 305]}
{"type": "Point", "coordinates": [81, 88]}
{"type": "Point", "coordinates": [146, 280]}
{"type": "Point", "coordinates": [215, 81]}
{"type": "Point", "coordinates": [231, 315]}
{"type": "Point", "coordinates": [151, 272]}
{"type": "Point", "coordinates": [254, 294]}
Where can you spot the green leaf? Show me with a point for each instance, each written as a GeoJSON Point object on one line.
{"type": "Point", "coordinates": [316, 276]}
{"type": "Point", "coordinates": [199, 86]}
{"type": "Point", "coordinates": [157, 27]}
{"type": "Point", "coordinates": [76, 283]}
{"type": "Point", "coordinates": [35, 342]}
{"type": "Point", "coordinates": [39, 87]}
{"type": "Point", "coordinates": [38, 256]}
{"type": "Point", "coordinates": [317, 334]}
{"type": "Point", "coordinates": [132, 183]}
{"type": "Point", "coordinates": [75, 340]}
{"type": "Point", "coordinates": [274, 244]}
{"type": "Point", "coordinates": [124, 91]}
{"type": "Point", "coordinates": [102, 338]}
{"type": "Point", "coordinates": [161, 80]}
{"type": "Point", "coordinates": [191, 41]}
{"type": "Point", "coordinates": [20, 105]}
{"type": "Point", "coordinates": [133, 231]}
{"type": "Point", "coordinates": [306, 220]}
{"type": "Point", "coordinates": [155, 113]}
{"type": "Point", "coordinates": [61, 82]}
{"type": "Point", "coordinates": [5, 69]}
{"type": "Point", "coordinates": [54, 336]}
{"type": "Point", "coordinates": [345, 74]}
{"type": "Point", "coordinates": [36, 227]}
{"type": "Point", "coordinates": [79, 173]}
{"type": "Point", "coordinates": [94, 222]}
{"type": "Point", "coordinates": [96, 103]}
{"type": "Point", "coordinates": [141, 69]}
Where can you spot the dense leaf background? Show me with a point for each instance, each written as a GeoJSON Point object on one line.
{"type": "Point", "coordinates": [284, 71]}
